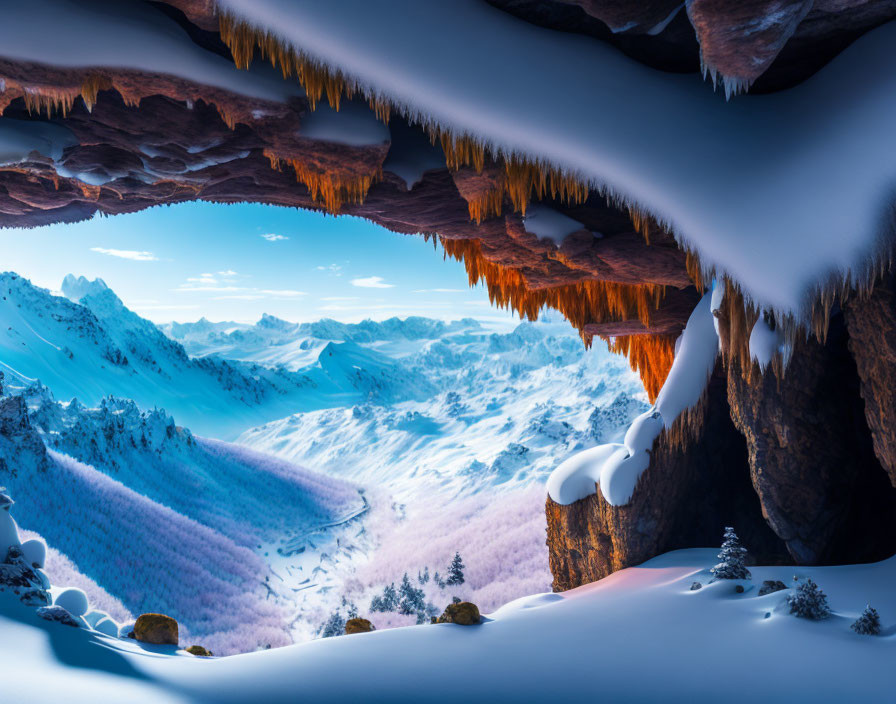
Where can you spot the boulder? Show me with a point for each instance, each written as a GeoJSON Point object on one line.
{"type": "Point", "coordinates": [199, 651]}
{"type": "Point", "coordinates": [59, 615]}
{"type": "Point", "coordinates": [463, 613]}
{"type": "Point", "coordinates": [358, 625]}
{"type": "Point", "coordinates": [696, 586]}
{"type": "Point", "coordinates": [157, 629]}
{"type": "Point", "coordinates": [770, 586]}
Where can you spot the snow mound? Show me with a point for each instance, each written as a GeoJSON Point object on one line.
{"type": "Point", "coordinates": [540, 648]}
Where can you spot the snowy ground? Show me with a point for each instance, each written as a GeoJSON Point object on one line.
{"type": "Point", "coordinates": [639, 635]}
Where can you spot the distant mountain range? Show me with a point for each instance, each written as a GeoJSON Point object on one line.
{"type": "Point", "coordinates": [93, 346]}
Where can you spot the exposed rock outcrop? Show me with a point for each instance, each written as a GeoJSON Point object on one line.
{"type": "Point", "coordinates": [872, 341]}
{"type": "Point", "coordinates": [821, 488]}
{"type": "Point", "coordinates": [463, 613]}
{"type": "Point", "coordinates": [157, 629]}
{"type": "Point", "coordinates": [358, 625]}
{"type": "Point", "coordinates": [696, 484]}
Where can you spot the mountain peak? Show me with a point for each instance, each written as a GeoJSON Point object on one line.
{"type": "Point", "coordinates": [75, 288]}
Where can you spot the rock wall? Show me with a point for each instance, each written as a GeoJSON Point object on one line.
{"type": "Point", "coordinates": [820, 485]}
{"type": "Point", "coordinates": [872, 341]}
{"type": "Point", "coordinates": [790, 462]}
{"type": "Point", "coordinates": [697, 483]}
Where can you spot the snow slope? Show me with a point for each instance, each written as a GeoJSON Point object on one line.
{"type": "Point", "coordinates": [778, 191]}
{"type": "Point", "coordinates": [161, 521]}
{"type": "Point", "coordinates": [466, 462]}
{"type": "Point", "coordinates": [639, 635]}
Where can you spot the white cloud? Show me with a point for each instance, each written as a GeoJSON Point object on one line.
{"type": "Point", "coordinates": [202, 286]}
{"type": "Point", "coordinates": [334, 269]}
{"type": "Point", "coordinates": [205, 279]}
{"type": "Point", "coordinates": [371, 282]}
{"type": "Point", "coordinates": [228, 274]}
{"type": "Point", "coordinates": [282, 293]}
{"type": "Point", "coordinates": [131, 254]}
{"type": "Point", "coordinates": [340, 298]}
{"type": "Point", "coordinates": [272, 237]}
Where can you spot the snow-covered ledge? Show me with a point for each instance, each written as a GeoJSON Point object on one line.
{"type": "Point", "coordinates": [617, 466]}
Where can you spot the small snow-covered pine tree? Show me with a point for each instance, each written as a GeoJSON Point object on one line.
{"type": "Point", "coordinates": [809, 602]}
{"type": "Point", "coordinates": [456, 571]}
{"type": "Point", "coordinates": [390, 598]}
{"type": "Point", "coordinates": [423, 577]}
{"type": "Point", "coordinates": [411, 599]}
{"type": "Point", "coordinates": [732, 556]}
{"type": "Point", "coordinates": [868, 624]}
{"type": "Point", "coordinates": [335, 626]}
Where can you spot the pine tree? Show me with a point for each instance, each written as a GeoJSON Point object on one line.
{"type": "Point", "coordinates": [437, 578]}
{"type": "Point", "coordinates": [809, 602]}
{"type": "Point", "coordinates": [732, 558]}
{"type": "Point", "coordinates": [390, 598]}
{"type": "Point", "coordinates": [456, 571]}
{"type": "Point", "coordinates": [868, 624]}
{"type": "Point", "coordinates": [335, 626]}
{"type": "Point", "coordinates": [411, 599]}
{"type": "Point", "coordinates": [423, 577]}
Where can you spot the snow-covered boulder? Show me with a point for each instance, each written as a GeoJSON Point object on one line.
{"type": "Point", "coordinates": [107, 626]}
{"type": "Point", "coordinates": [59, 615]}
{"type": "Point", "coordinates": [35, 552]}
{"type": "Point", "coordinates": [73, 600]}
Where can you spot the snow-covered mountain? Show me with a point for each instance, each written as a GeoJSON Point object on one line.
{"type": "Point", "coordinates": [507, 408]}
{"type": "Point", "coordinates": [273, 341]}
{"type": "Point", "coordinates": [96, 347]}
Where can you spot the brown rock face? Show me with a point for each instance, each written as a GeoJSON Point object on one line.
{"type": "Point", "coordinates": [157, 629]}
{"type": "Point", "coordinates": [741, 39]}
{"type": "Point", "coordinates": [872, 342]}
{"type": "Point", "coordinates": [811, 463]}
{"type": "Point", "coordinates": [463, 613]}
{"type": "Point", "coordinates": [692, 489]}
{"type": "Point", "coordinates": [358, 625]}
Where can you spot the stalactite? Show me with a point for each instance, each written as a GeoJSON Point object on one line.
{"type": "Point", "coordinates": [49, 100]}
{"type": "Point", "coordinates": [649, 355]}
{"type": "Point", "coordinates": [329, 189]}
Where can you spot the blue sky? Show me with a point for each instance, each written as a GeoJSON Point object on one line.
{"type": "Point", "coordinates": [236, 262]}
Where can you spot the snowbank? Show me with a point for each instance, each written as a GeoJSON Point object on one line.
{"type": "Point", "coordinates": [639, 635]}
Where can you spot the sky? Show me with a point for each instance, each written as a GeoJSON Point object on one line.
{"type": "Point", "coordinates": [235, 262]}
